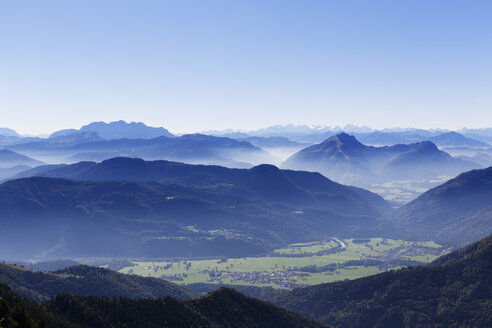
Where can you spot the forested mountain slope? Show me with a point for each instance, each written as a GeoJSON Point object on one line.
{"type": "Point", "coordinates": [84, 281]}
{"type": "Point", "coordinates": [456, 212]}
{"type": "Point", "coordinates": [223, 308]}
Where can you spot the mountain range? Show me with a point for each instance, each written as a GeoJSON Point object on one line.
{"type": "Point", "coordinates": [293, 187]}
{"type": "Point", "coordinates": [343, 158]}
{"type": "Point", "coordinates": [130, 207]}
{"type": "Point", "coordinates": [188, 148]}
{"type": "Point", "coordinates": [99, 141]}
{"type": "Point", "coordinates": [117, 130]}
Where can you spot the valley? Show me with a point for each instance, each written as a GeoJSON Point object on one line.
{"type": "Point", "coordinates": [297, 265]}
{"type": "Point", "coordinates": [403, 191]}
{"type": "Point", "coordinates": [246, 164]}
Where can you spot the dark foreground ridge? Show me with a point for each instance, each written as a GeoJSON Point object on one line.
{"type": "Point", "coordinates": [454, 291]}
{"type": "Point", "coordinates": [85, 280]}
{"type": "Point", "coordinates": [223, 308]}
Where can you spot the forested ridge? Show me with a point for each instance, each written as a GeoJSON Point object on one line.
{"type": "Point", "coordinates": [85, 280]}
{"type": "Point", "coordinates": [222, 308]}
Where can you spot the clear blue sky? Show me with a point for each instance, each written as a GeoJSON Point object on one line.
{"type": "Point", "coordinates": [199, 65]}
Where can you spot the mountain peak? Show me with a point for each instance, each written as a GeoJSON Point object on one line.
{"type": "Point", "coordinates": [342, 140]}
{"type": "Point", "coordinates": [427, 146]}
{"type": "Point", "coordinates": [345, 138]}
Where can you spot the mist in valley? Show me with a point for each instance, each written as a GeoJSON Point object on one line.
{"type": "Point", "coordinates": [245, 164]}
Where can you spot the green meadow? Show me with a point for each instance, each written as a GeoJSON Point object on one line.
{"type": "Point", "coordinates": [295, 265]}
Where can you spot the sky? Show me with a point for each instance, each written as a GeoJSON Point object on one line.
{"type": "Point", "coordinates": [203, 65]}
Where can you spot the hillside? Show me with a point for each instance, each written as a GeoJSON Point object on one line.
{"type": "Point", "coordinates": [343, 158]}
{"type": "Point", "coordinates": [457, 212]}
{"type": "Point", "coordinates": [152, 219]}
{"type": "Point", "coordinates": [454, 291]}
{"type": "Point", "coordinates": [86, 281]}
{"type": "Point", "coordinates": [223, 308]}
{"type": "Point", "coordinates": [293, 187]}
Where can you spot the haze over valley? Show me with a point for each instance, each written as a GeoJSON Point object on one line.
{"type": "Point", "coordinates": [246, 164]}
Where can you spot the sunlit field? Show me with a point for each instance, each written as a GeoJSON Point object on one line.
{"type": "Point", "coordinates": [298, 264]}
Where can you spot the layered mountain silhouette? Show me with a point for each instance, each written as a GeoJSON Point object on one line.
{"type": "Point", "coordinates": [458, 211]}
{"type": "Point", "coordinates": [73, 138]}
{"type": "Point", "coordinates": [389, 138]}
{"type": "Point", "coordinates": [455, 139]}
{"type": "Point", "coordinates": [12, 163]}
{"type": "Point", "coordinates": [343, 158]}
{"type": "Point", "coordinates": [118, 130]}
{"type": "Point", "coordinates": [8, 132]}
{"type": "Point", "coordinates": [10, 159]}
{"type": "Point", "coordinates": [453, 291]}
{"type": "Point", "coordinates": [273, 142]}
{"type": "Point", "coordinates": [194, 148]}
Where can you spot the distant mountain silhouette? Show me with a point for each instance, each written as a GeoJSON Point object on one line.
{"type": "Point", "coordinates": [8, 132]}
{"type": "Point", "coordinates": [118, 130]}
{"type": "Point", "coordinates": [384, 138]}
{"type": "Point", "coordinates": [343, 158]}
{"type": "Point", "coordinates": [454, 291]}
{"type": "Point", "coordinates": [273, 142]}
{"type": "Point", "coordinates": [74, 138]}
{"type": "Point", "coordinates": [10, 159]}
{"type": "Point", "coordinates": [192, 148]}
{"type": "Point", "coordinates": [63, 133]}
{"type": "Point", "coordinates": [425, 160]}
{"type": "Point", "coordinates": [458, 211]}
{"type": "Point", "coordinates": [454, 139]}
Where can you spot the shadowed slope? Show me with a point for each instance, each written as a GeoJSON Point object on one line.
{"type": "Point", "coordinates": [84, 281]}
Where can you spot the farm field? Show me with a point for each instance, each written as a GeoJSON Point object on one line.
{"type": "Point", "coordinates": [297, 265]}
